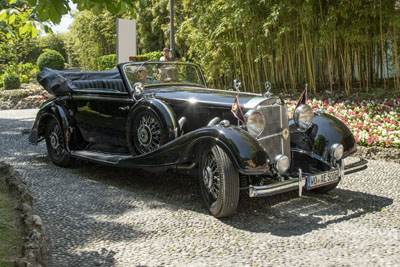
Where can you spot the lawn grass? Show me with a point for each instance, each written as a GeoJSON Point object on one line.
{"type": "Point", "coordinates": [10, 232]}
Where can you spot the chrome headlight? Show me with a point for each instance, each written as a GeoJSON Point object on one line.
{"type": "Point", "coordinates": [255, 122]}
{"type": "Point", "coordinates": [303, 116]}
{"type": "Point", "coordinates": [337, 151]}
{"type": "Point", "coordinates": [282, 163]}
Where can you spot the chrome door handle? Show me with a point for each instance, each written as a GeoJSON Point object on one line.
{"type": "Point", "coordinates": [124, 108]}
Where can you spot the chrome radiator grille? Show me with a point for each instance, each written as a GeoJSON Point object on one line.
{"type": "Point", "coordinates": [276, 120]}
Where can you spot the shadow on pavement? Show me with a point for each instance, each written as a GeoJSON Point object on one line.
{"type": "Point", "coordinates": [282, 215]}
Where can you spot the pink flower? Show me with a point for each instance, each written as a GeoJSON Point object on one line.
{"type": "Point", "coordinates": [387, 142]}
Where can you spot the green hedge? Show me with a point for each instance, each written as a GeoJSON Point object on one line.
{"type": "Point", "coordinates": [107, 62]}
{"type": "Point", "coordinates": [51, 59]}
{"type": "Point", "coordinates": [11, 81]}
{"type": "Point", "coordinates": [154, 56]}
{"type": "Point", "coordinates": [110, 61]}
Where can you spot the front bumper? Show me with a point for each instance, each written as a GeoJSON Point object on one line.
{"type": "Point", "coordinates": [299, 182]}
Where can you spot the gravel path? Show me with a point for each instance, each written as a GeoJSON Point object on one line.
{"type": "Point", "coordinates": [104, 216]}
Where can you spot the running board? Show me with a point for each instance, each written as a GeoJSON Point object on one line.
{"type": "Point", "coordinates": [107, 158]}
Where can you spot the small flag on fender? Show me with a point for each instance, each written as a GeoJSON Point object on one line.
{"type": "Point", "coordinates": [303, 98]}
{"type": "Point", "coordinates": [237, 110]}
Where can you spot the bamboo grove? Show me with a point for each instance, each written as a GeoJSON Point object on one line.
{"type": "Point", "coordinates": [331, 45]}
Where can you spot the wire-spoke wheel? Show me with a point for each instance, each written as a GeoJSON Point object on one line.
{"type": "Point", "coordinates": [55, 143]}
{"type": "Point", "coordinates": [219, 182]}
{"type": "Point", "coordinates": [148, 132]}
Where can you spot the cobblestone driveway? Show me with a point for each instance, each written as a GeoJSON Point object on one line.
{"type": "Point", "coordinates": [103, 216]}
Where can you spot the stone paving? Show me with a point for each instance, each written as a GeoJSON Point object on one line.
{"type": "Point", "coordinates": [105, 216]}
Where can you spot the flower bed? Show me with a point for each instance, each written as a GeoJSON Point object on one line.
{"type": "Point", "coordinates": [30, 96]}
{"type": "Point", "coordinates": [373, 122]}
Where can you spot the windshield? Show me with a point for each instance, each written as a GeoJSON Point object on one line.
{"type": "Point", "coordinates": [158, 73]}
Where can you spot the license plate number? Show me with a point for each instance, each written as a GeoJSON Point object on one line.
{"type": "Point", "coordinates": [322, 179]}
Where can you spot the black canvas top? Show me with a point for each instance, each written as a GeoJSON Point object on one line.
{"type": "Point", "coordinates": [60, 83]}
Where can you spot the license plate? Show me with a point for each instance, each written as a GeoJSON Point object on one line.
{"type": "Point", "coordinates": [322, 179]}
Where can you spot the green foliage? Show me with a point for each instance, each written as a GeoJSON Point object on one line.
{"type": "Point", "coordinates": [51, 59]}
{"type": "Point", "coordinates": [289, 43]}
{"type": "Point", "coordinates": [28, 69]}
{"type": "Point", "coordinates": [57, 8]}
{"type": "Point", "coordinates": [19, 19]}
{"type": "Point", "coordinates": [90, 37]}
{"type": "Point", "coordinates": [153, 26]}
{"type": "Point", "coordinates": [107, 62]}
{"type": "Point", "coordinates": [54, 42]}
{"type": "Point", "coordinates": [152, 55]}
{"type": "Point", "coordinates": [11, 81]}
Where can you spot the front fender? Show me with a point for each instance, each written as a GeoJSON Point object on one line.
{"type": "Point", "coordinates": [50, 109]}
{"type": "Point", "coordinates": [325, 131]}
{"type": "Point", "coordinates": [244, 151]}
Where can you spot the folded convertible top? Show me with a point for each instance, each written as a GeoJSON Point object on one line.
{"type": "Point", "coordinates": [59, 83]}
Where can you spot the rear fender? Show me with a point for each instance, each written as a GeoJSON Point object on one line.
{"type": "Point", "coordinates": [49, 110]}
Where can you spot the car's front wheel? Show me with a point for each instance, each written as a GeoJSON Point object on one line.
{"type": "Point", "coordinates": [55, 143]}
{"type": "Point", "coordinates": [219, 182]}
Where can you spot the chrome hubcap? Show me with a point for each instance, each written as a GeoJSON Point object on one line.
{"type": "Point", "coordinates": [144, 135]}
{"type": "Point", "coordinates": [56, 140]}
{"type": "Point", "coordinates": [211, 176]}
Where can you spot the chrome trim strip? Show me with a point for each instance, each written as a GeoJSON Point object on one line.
{"type": "Point", "coordinates": [356, 166]}
{"type": "Point", "coordinates": [269, 136]}
{"type": "Point", "coordinates": [253, 102]}
{"type": "Point", "coordinates": [269, 190]}
{"type": "Point", "coordinates": [103, 98]}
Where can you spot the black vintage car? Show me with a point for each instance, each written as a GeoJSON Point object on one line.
{"type": "Point", "coordinates": [160, 116]}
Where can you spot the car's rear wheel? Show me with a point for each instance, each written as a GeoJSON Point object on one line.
{"type": "Point", "coordinates": [149, 132]}
{"type": "Point", "coordinates": [55, 143]}
{"type": "Point", "coordinates": [219, 182]}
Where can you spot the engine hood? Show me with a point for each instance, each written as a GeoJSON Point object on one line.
{"type": "Point", "coordinates": [208, 97]}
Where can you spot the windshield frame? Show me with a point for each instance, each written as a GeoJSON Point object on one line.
{"type": "Point", "coordinates": [142, 64]}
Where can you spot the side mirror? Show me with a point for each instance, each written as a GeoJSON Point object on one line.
{"type": "Point", "coordinates": [138, 89]}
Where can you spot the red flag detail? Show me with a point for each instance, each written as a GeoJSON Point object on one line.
{"type": "Point", "coordinates": [302, 99]}
{"type": "Point", "coordinates": [237, 110]}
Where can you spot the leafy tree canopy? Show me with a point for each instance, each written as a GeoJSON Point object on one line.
{"type": "Point", "coordinates": [53, 9]}
{"type": "Point", "coordinates": [30, 13]}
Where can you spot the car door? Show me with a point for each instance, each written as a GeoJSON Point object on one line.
{"type": "Point", "coordinates": [101, 118]}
